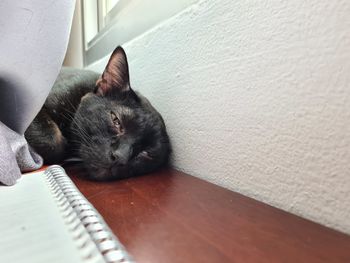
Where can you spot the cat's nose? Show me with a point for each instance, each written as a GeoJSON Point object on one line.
{"type": "Point", "coordinates": [117, 159]}
{"type": "Point", "coordinates": [121, 155]}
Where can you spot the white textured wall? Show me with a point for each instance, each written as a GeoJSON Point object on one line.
{"type": "Point", "coordinates": [256, 97]}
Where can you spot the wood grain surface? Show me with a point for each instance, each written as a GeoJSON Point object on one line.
{"type": "Point", "coordinates": [169, 216]}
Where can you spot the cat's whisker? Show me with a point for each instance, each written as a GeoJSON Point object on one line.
{"type": "Point", "coordinates": [68, 118]}
{"type": "Point", "coordinates": [87, 139]}
{"type": "Point", "coordinates": [71, 104]}
{"type": "Point", "coordinates": [81, 130]}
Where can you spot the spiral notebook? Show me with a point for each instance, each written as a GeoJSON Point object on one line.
{"type": "Point", "coordinates": [44, 218]}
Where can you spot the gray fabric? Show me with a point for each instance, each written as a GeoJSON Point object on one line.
{"type": "Point", "coordinates": [34, 37]}
{"type": "Point", "coordinates": [15, 156]}
{"type": "Point", "coordinates": [33, 41]}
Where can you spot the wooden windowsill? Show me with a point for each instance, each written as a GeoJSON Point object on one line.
{"type": "Point", "coordinates": [170, 217]}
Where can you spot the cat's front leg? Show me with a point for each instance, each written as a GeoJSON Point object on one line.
{"type": "Point", "coordinates": [44, 135]}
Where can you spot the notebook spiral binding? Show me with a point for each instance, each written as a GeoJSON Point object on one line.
{"type": "Point", "coordinates": [91, 234]}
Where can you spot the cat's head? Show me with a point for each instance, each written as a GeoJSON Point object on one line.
{"type": "Point", "coordinates": [119, 133]}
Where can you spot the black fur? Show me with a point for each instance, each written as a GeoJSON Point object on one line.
{"type": "Point", "coordinates": [114, 130]}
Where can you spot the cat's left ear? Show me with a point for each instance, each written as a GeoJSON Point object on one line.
{"type": "Point", "coordinates": [115, 77]}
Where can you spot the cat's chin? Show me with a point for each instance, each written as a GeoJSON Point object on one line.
{"type": "Point", "coordinates": [107, 174]}
{"type": "Point", "coordinates": [96, 174]}
{"type": "Point", "coordinates": [120, 171]}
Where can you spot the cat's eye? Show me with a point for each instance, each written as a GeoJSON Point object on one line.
{"type": "Point", "coordinates": [116, 122]}
{"type": "Point", "coordinates": [115, 119]}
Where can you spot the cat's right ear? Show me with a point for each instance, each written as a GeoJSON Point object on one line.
{"type": "Point", "coordinates": [115, 77]}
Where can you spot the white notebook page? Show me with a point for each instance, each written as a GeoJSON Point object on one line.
{"type": "Point", "coordinates": [31, 226]}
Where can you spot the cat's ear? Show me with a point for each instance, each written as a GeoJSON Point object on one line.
{"type": "Point", "coordinates": [115, 77]}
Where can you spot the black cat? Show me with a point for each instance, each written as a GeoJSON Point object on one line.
{"type": "Point", "coordinates": [114, 130]}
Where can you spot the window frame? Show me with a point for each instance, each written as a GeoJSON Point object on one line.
{"type": "Point", "coordinates": [124, 22]}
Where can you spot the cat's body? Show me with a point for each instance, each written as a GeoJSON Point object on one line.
{"type": "Point", "coordinates": [114, 130]}
{"type": "Point", "coordinates": [50, 132]}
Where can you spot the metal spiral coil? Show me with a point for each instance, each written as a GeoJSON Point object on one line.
{"type": "Point", "coordinates": [89, 231]}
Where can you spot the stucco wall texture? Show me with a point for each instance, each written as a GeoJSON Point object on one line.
{"type": "Point", "coordinates": [256, 98]}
